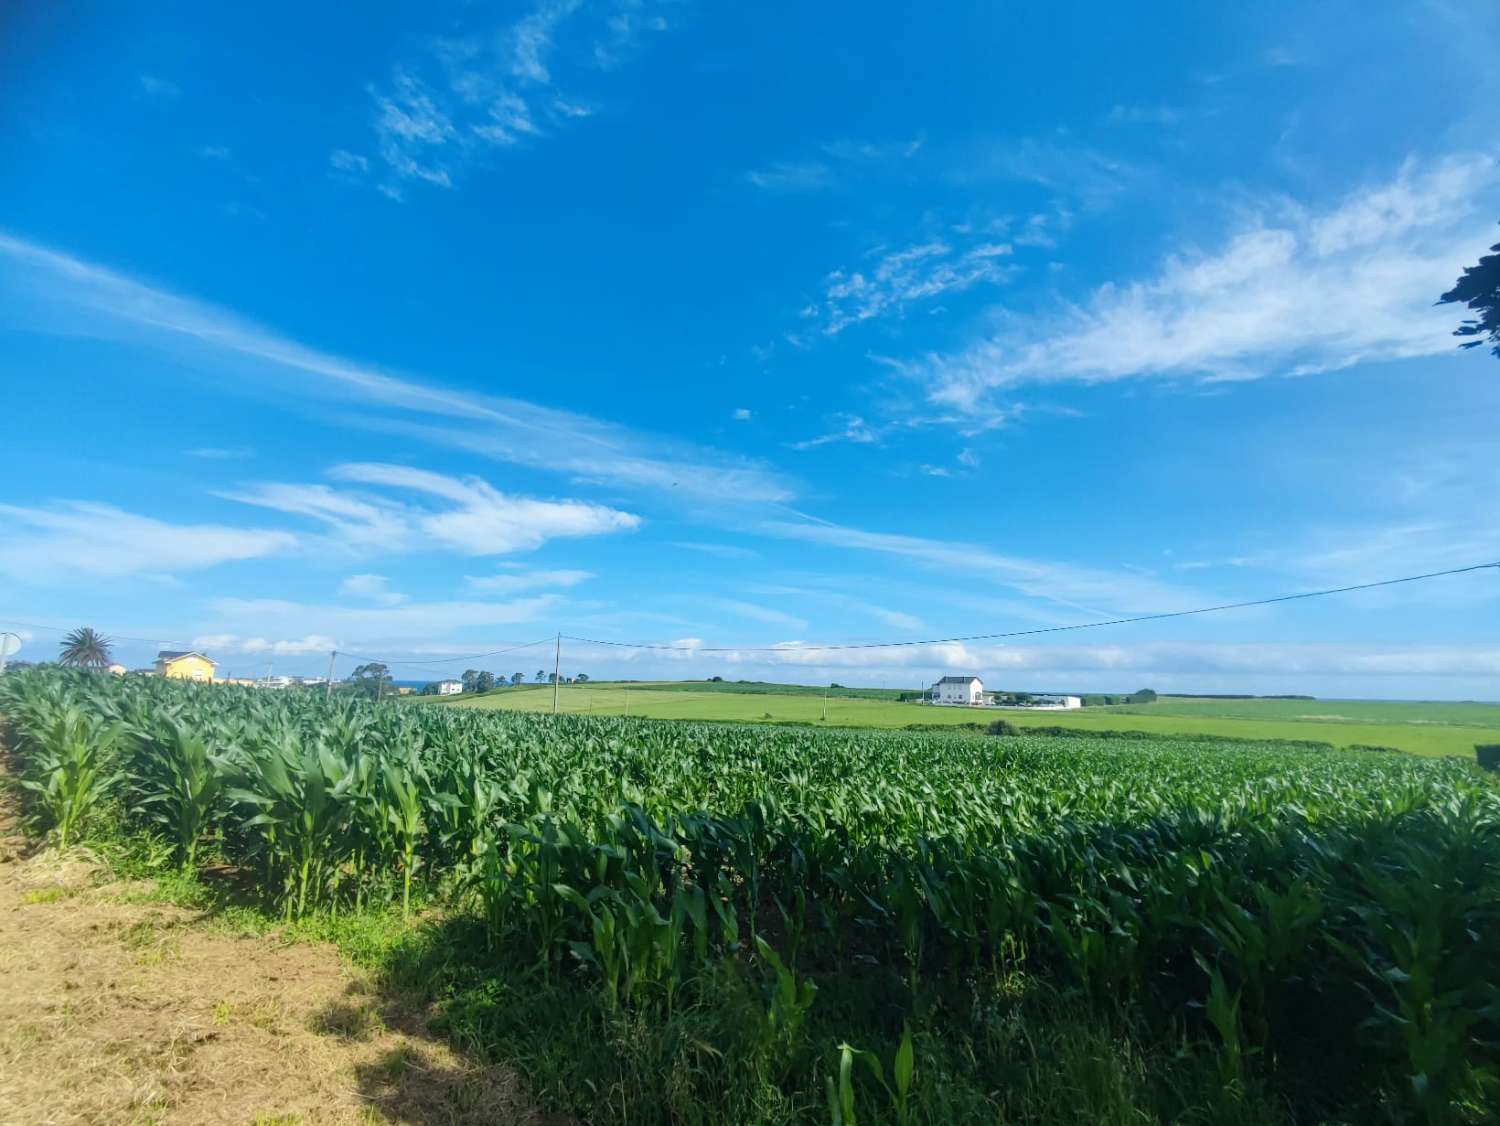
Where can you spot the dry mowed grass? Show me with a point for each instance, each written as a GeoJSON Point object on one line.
{"type": "Point", "coordinates": [114, 1010]}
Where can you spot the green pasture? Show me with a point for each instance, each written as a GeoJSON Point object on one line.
{"type": "Point", "coordinates": [1424, 729]}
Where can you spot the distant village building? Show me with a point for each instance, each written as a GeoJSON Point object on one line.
{"type": "Point", "coordinates": [450, 687]}
{"type": "Point", "coordinates": [1060, 703]}
{"type": "Point", "coordinates": [963, 691]}
{"type": "Point", "coordinates": [185, 665]}
{"type": "Point", "coordinates": [117, 670]}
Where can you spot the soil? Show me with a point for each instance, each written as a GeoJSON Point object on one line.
{"type": "Point", "coordinates": [114, 1009]}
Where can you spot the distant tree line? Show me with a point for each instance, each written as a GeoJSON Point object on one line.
{"type": "Point", "coordinates": [481, 680]}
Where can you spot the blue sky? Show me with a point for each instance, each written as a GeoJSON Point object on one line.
{"type": "Point", "coordinates": [754, 326]}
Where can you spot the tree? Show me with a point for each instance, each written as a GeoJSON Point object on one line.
{"type": "Point", "coordinates": [541, 676]}
{"type": "Point", "coordinates": [367, 679]}
{"type": "Point", "coordinates": [470, 679]}
{"type": "Point", "coordinates": [1479, 288]}
{"type": "Point", "coordinates": [1144, 696]}
{"type": "Point", "coordinates": [85, 649]}
{"type": "Point", "coordinates": [582, 678]}
{"type": "Point", "coordinates": [516, 678]}
{"type": "Point", "coordinates": [484, 682]}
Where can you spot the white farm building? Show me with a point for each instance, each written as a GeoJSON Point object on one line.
{"type": "Point", "coordinates": [961, 691]}
{"type": "Point", "coordinates": [449, 687]}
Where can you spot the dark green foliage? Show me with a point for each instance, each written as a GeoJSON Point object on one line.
{"type": "Point", "coordinates": [1479, 289]}
{"type": "Point", "coordinates": [84, 649]}
{"type": "Point", "coordinates": [1488, 755]}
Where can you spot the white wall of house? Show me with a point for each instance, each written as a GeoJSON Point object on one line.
{"type": "Point", "coordinates": [968, 692]}
{"type": "Point", "coordinates": [450, 687]}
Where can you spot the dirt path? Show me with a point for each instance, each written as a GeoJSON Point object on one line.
{"type": "Point", "coordinates": [114, 1011]}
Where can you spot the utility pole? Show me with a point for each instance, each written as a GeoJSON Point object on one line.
{"type": "Point", "coordinates": [627, 699]}
{"type": "Point", "coordinates": [556, 673]}
{"type": "Point", "coordinates": [328, 690]}
{"type": "Point", "coordinates": [825, 705]}
{"type": "Point", "coordinates": [380, 687]}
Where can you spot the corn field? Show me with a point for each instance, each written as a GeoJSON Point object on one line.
{"type": "Point", "coordinates": [1248, 900]}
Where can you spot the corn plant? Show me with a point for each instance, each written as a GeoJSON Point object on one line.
{"type": "Point", "coordinates": [69, 768]}
{"type": "Point", "coordinates": [176, 781]}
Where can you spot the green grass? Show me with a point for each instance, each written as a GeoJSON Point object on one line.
{"type": "Point", "coordinates": [1419, 728]}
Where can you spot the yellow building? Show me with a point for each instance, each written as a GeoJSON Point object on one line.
{"type": "Point", "coordinates": [184, 666]}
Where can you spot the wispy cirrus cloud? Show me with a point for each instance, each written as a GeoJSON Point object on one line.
{"type": "Point", "coordinates": [517, 581]}
{"type": "Point", "coordinates": [754, 612]}
{"type": "Point", "coordinates": [791, 176]}
{"type": "Point", "coordinates": [834, 164]}
{"type": "Point", "coordinates": [1094, 591]}
{"type": "Point", "coordinates": [719, 550]}
{"type": "Point", "coordinates": [1294, 291]}
{"type": "Point", "coordinates": [46, 290]}
{"type": "Point", "coordinates": [374, 588]}
{"type": "Point", "coordinates": [73, 539]}
{"type": "Point", "coordinates": [896, 279]}
{"type": "Point", "coordinates": [477, 520]}
{"type": "Point", "coordinates": [494, 89]}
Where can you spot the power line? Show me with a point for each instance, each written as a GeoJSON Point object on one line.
{"type": "Point", "coordinates": [1043, 629]}
{"type": "Point", "coordinates": [112, 636]}
{"type": "Point", "coordinates": [457, 658]}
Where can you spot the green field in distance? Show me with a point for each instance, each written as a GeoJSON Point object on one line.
{"type": "Point", "coordinates": [1435, 728]}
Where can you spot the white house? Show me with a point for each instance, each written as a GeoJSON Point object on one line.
{"type": "Point", "coordinates": [1059, 703]}
{"type": "Point", "coordinates": [450, 687]}
{"type": "Point", "coordinates": [964, 691]}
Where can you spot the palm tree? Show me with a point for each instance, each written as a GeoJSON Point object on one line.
{"type": "Point", "coordinates": [85, 649]}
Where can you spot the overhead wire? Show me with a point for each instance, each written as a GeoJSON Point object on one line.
{"type": "Point", "coordinates": [798, 648]}
{"type": "Point", "coordinates": [790, 647]}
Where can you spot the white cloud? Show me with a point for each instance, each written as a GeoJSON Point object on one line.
{"type": "Point", "coordinates": [853, 429]}
{"type": "Point", "coordinates": [519, 581]}
{"type": "Point", "coordinates": [74, 538]}
{"type": "Point", "coordinates": [282, 647]}
{"type": "Point", "coordinates": [479, 519]}
{"type": "Point", "coordinates": [376, 588]}
{"type": "Point", "coordinates": [52, 291]}
{"type": "Point", "coordinates": [742, 414]}
{"type": "Point", "coordinates": [901, 277]}
{"type": "Point", "coordinates": [491, 90]}
{"type": "Point", "coordinates": [1293, 291]}
{"type": "Point", "coordinates": [359, 522]}
{"type": "Point", "coordinates": [487, 521]}
{"type": "Point", "coordinates": [217, 453]}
